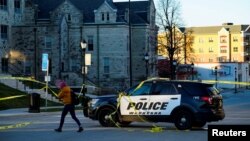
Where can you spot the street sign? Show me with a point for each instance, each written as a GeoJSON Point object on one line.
{"type": "Point", "coordinates": [87, 59]}
{"type": "Point", "coordinates": [45, 62]}
{"type": "Point", "coordinates": [47, 78]}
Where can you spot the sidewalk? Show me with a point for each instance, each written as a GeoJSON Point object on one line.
{"type": "Point", "coordinates": [226, 93]}
{"type": "Point", "coordinates": [21, 111]}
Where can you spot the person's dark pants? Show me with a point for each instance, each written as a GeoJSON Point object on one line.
{"type": "Point", "coordinates": [69, 108]}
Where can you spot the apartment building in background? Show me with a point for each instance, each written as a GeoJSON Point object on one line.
{"type": "Point", "coordinates": [225, 43]}
{"type": "Point", "coordinates": [215, 52]}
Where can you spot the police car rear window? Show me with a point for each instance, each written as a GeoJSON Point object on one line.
{"type": "Point", "coordinates": [164, 89]}
{"type": "Point", "coordinates": [194, 89]}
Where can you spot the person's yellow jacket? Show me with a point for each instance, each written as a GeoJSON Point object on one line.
{"type": "Point", "coordinates": [65, 95]}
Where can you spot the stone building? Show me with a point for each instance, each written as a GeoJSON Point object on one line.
{"type": "Point", "coordinates": [116, 41]}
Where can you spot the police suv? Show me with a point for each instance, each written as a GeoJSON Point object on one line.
{"type": "Point", "coordinates": [186, 104]}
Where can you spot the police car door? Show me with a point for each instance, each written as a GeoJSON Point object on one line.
{"type": "Point", "coordinates": [135, 103]}
{"type": "Point", "coordinates": [164, 99]}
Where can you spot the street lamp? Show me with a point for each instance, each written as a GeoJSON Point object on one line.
{"type": "Point", "coordinates": [235, 87]}
{"type": "Point", "coordinates": [216, 78]}
{"type": "Point", "coordinates": [246, 77]}
{"type": "Point", "coordinates": [146, 57]}
{"type": "Point", "coordinates": [192, 70]}
{"type": "Point", "coordinates": [83, 46]}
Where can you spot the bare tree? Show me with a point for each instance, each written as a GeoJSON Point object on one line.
{"type": "Point", "coordinates": [173, 39]}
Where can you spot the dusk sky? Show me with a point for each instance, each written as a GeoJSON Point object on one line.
{"type": "Point", "coordinates": [213, 12]}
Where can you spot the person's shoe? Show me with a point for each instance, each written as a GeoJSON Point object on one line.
{"type": "Point", "coordinates": [58, 130]}
{"type": "Point", "coordinates": [80, 129]}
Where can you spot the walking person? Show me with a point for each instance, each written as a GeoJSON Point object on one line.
{"type": "Point", "coordinates": [65, 96]}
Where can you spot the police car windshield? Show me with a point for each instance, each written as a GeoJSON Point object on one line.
{"type": "Point", "coordinates": [130, 90]}
{"type": "Point", "coordinates": [141, 89]}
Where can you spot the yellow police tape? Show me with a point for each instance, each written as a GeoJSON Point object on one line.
{"type": "Point", "coordinates": [11, 97]}
{"type": "Point", "coordinates": [19, 125]}
{"type": "Point", "coordinates": [227, 82]}
{"type": "Point", "coordinates": [22, 78]}
{"type": "Point", "coordinates": [154, 129]}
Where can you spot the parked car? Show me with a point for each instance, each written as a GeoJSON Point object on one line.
{"type": "Point", "coordinates": [187, 104]}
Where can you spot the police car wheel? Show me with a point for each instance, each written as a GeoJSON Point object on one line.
{"type": "Point", "coordinates": [183, 120]}
{"type": "Point", "coordinates": [107, 117]}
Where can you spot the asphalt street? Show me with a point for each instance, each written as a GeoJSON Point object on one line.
{"type": "Point", "coordinates": [19, 124]}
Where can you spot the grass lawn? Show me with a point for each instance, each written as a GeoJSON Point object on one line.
{"type": "Point", "coordinates": [17, 102]}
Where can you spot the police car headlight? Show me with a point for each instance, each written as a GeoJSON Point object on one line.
{"type": "Point", "coordinates": [92, 102]}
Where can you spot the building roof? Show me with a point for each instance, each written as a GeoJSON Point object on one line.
{"type": "Point", "coordinates": [216, 29]}
{"type": "Point", "coordinates": [139, 9]}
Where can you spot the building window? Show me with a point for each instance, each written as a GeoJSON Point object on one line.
{"type": "Point", "coordinates": [235, 39]}
{"type": "Point", "coordinates": [107, 16]}
{"type": "Point", "coordinates": [247, 38]}
{"type": "Point", "coordinates": [223, 49]}
{"type": "Point", "coordinates": [201, 60]}
{"type": "Point", "coordinates": [200, 50]}
{"type": "Point", "coordinates": [48, 42]}
{"type": "Point", "coordinates": [235, 59]}
{"type": "Point", "coordinates": [106, 65]}
{"type": "Point", "coordinates": [222, 59]}
{"type": "Point", "coordinates": [211, 49]}
{"type": "Point", "coordinates": [90, 43]}
{"type": "Point", "coordinates": [4, 31]}
{"type": "Point", "coordinates": [210, 60]}
{"type": "Point", "coordinates": [17, 5]}
{"type": "Point", "coordinates": [3, 5]}
{"type": "Point", "coordinates": [103, 16]}
{"type": "Point", "coordinates": [210, 39]}
{"type": "Point", "coordinates": [201, 40]}
{"type": "Point", "coordinates": [235, 49]}
{"type": "Point", "coordinates": [69, 17]}
{"type": "Point", "coordinates": [73, 64]}
{"type": "Point", "coordinates": [223, 39]}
